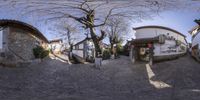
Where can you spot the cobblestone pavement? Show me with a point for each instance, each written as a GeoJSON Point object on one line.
{"type": "Point", "coordinates": [116, 80]}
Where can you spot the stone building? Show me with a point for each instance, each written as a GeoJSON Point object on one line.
{"type": "Point", "coordinates": [17, 40]}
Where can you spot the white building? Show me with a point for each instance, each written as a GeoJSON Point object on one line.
{"type": "Point", "coordinates": [84, 49]}
{"type": "Point", "coordinates": [56, 46]}
{"type": "Point", "coordinates": [195, 47]}
{"type": "Point", "coordinates": [158, 43]}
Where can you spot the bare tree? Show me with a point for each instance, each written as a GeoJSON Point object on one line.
{"type": "Point", "coordinates": [69, 32]}
{"type": "Point", "coordinates": [92, 13]}
{"type": "Point", "coordinates": [117, 29]}
{"type": "Point", "coordinates": [70, 35]}
{"type": "Point", "coordinates": [197, 21]}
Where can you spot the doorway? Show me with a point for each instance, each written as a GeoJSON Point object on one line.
{"type": "Point", "coordinates": [142, 52]}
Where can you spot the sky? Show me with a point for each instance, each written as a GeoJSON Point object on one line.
{"type": "Point", "coordinates": [180, 20]}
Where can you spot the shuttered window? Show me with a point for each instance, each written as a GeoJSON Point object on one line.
{"type": "Point", "coordinates": [1, 39]}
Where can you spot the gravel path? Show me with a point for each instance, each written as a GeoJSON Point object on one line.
{"type": "Point", "coordinates": [116, 80]}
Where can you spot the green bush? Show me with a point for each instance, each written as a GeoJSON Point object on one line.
{"type": "Point", "coordinates": [120, 49]}
{"type": "Point", "coordinates": [106, 54]}
{"type": "Point", "coordinates": [40, 52]}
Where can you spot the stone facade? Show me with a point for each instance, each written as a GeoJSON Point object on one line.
{"type": "Point", "coordinates": [18, 44]}
{"type": "Point", "coordinates": [22, 43]}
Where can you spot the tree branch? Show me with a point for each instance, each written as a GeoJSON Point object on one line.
{"type": "Point", "coordinates": [106, 18]}
{"type": "Point", "coordinates": [103, 34]}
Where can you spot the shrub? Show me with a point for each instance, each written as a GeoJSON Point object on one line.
{"type": "Point", "coordinates": [44, 54]}
{"type": "Point", "coordinates": [40, 52]}
{"type": "Point", "coordinates": [106, 54]}
{"type": "Point", "coordinates": [120, 49]}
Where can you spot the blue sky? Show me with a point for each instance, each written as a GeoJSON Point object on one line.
{"type": "Point", "coordinates": [179, 20]}
{"type": "Point", "coordinates": [182, 21]}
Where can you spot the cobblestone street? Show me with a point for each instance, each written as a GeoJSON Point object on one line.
{"type": "Point", "coordinates": [116, 80]}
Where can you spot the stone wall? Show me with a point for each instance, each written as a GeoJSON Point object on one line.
{"type": "Point", "coordinates": [21, 43]}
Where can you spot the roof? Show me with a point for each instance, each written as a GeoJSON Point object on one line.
{"type": "Point", "coordinates": [161, 27]}
{"type": "Point", "coordinates": [82, 41]}
{"type": "Point", "coordinates": [194, 28]}
{"type": "Point", "coordinates": [55, 40]}
{"type": "Point", "coordinates": [145, 40]}
{"type": "Point", "coordinates": [105, 44]}
{"type": "Point", "coordinates": [34, 31]}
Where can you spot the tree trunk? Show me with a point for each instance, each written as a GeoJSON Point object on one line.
{"type": "Point", "coordinates": [70, 51]}
{"type": "Point", "coordinates": [71, 48]}
{"type": "Point", "coordinates": [111, 44]}
{"type": "Point", "coordinates": [96, 43]}
{"type": "Point", "coordinates": [113, 51]}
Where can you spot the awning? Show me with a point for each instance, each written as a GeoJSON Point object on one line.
{"type": "Point", "coordinates": [145, 40]}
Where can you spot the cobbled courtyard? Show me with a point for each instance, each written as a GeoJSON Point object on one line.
{"type": "Point", "coordinates": [116, 80]}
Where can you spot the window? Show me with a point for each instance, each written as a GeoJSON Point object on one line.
{"type": "Point", "coordinates": [1, 39]}
{"type": "Point", "coordinates": [167, 33]}
{"type": "Point", "coordinates": [77, 47]}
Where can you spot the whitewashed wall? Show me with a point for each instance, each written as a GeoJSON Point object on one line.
{"type": "Point", "coordinates": [196, 40]}
{"type": "Point", "coordinates": [56, 47]}
{"type": "Point", "coordinates": [81, 46]}
{"type": "Point", "coordinates": [153, 32]}
{"type": "Point", "coordinates": [78, 52]}
{"type": "Point", "coordinates": [161, 49]}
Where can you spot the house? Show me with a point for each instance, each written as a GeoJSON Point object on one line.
{"type": "Point", "coordinates": [56, 46]}
{"type": "Point", "coordinates": [104, 45]}
{"type": "Point", "coordinates": [84, 49]}
{"type": "Point", "coordinates": [154, 43]}
{"type": "Point", "coordinates": [195, 46]}
{"type": "Point", "coordinates": [17, 40]}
